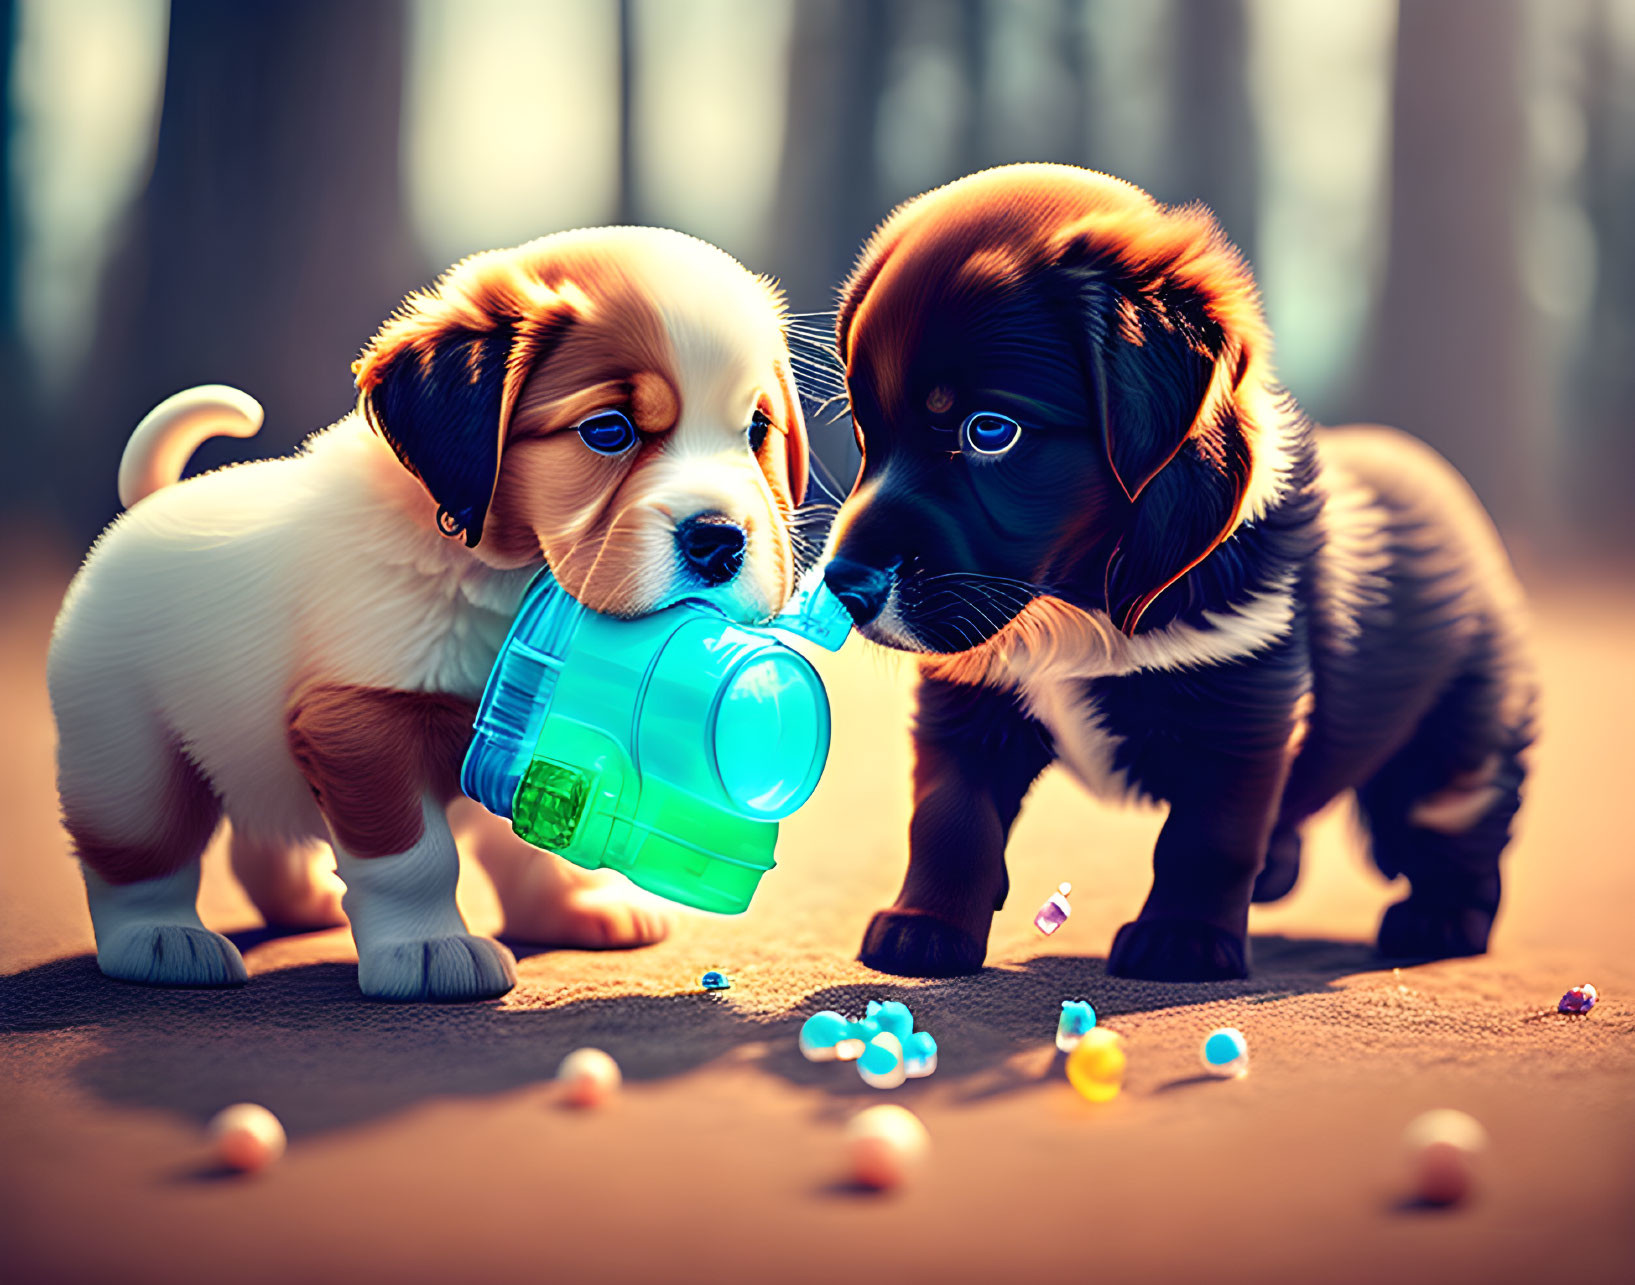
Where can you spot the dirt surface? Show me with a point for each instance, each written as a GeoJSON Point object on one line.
{"type": "Point", "coordinates": [425, 1144]}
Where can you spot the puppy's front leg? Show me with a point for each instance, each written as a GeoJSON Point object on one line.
{"type": "Point", "coordinates": [975, 755]}
{"type": "Point", "coordinates": [1195, 923]}
{"type": "Point", "coordinates": [382, 765]}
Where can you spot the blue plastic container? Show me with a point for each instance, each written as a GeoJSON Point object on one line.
{"type": "Point", "coordinates": [666, 747]}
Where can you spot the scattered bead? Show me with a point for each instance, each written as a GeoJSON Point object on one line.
{"type": "Point", "coordinates": [1225, 1053]}
{"type": "Point", "coordinates": [1580, 999]}
{"type": "Point", "coordinates": [882, 1064]}
{"type": "Point", "coordinates": [858, 1035]}
{"type": "Point", "coordinates": [715, 981]}
{"type": "Point", "coordinates": [1053, 914]}
{"type": "Point", "coordinates": [1442, 1147]}
{"type": "Point", "coordinates": [1077, 1019]}
{"type": "Point", "coordinates": [920, 1055]}
{"type": "Point", "coordinates": [589, 1077]}
{"type": "Point", "coordinates": [821, 1034]}
{"type": "Point", "coordinates": [247, 1137]}
{"type": "Point", "coordinates": [891, 1016]}
{"type": "Point", "coordinates": [1096, 1066]}
{"type": "Point", "coordinates": [884, 1145]}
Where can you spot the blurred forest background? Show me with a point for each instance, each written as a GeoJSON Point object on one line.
{"type": "Point", "coordinates": [1438, 195]}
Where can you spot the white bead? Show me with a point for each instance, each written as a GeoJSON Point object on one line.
{"type": "Point", "coordinates": [588, 1077]}
{"type": "Point", "coordinates": [1442, 1148]}
{"type": "Point", "coordinates": [884, 1145]}
{"type": "Point", "coordinates": [247, 1137]}
{"type": "Point", "coordinates": [882, 1066]}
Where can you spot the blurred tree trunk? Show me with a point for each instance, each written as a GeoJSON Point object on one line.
{"type": "Point", "coordinates": [627, 202]}
{"type": "Point", "coordinates": [20, 477]}
{"type": "Point", "coordinates": [1212, 125]}
{"type": "Point", "coordinates": [1451, 357]}
{"type": "Point", "coordinates": [977, 146]}
{"type": "Point", "coordinates": [829, 185]}
{"type": "Point", "coordinates": [1602, 446]}
{"type": "Point", "coordinates": [270, 241]}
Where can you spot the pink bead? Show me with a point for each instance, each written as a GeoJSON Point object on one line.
{"type": "Point", "coordinates": [247, 1137]}
{"type": "Point", "coordinates": [1442, 1147]}
{"type": "Point", "coordinates": [589, 1077]}
{"type": "Point", "coordinates": [885, 1144]}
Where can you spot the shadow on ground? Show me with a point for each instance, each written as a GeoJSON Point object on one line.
{"type": "Point", "coordinates": [303, 1042]}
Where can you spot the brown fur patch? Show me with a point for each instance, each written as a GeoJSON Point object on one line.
{"type": "Point", "coordinates": [586, 336]}
{"type": "Point", "coordinates": [971, 236]}
{"type": "Point", "coordinates": [552, 493]}
{"type": "Point", "coordinates": [187, 817]}
{"type": "Point", "coordinates": [369, 754]}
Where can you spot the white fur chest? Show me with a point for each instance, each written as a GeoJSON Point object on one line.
{"type": "Point", "coordinates": [1083, 744]}
{"type": "Point", "coordinates": [413, 628]}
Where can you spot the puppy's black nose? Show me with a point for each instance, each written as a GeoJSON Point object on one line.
{"type": "Point", "coordinates": [712, 546]}
{"type": "Point", "coordinates": [862, 589]}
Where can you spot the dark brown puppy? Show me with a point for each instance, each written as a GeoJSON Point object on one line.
{"type": "Point", "coordinates": [1120, 545]}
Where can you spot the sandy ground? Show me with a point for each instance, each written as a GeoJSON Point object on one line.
{"type": "Point", "coordinates": [425, 1144]}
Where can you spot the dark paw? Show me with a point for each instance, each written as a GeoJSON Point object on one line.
{"type": "Point", "coordinates": [1281, 871]}
{"type": "Point", "coordinates": [1178, 950]}
{"type": "Point", "coordinates": [909, 943]}
{"type": "Point", "coordinates": [1415, 929]}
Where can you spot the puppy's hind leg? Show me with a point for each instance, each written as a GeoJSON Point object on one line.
{"type": "Point", "coordinates": [293, 885]}
{"type": "Point", "coordinates": [1281, 872]}
{"type": "Point", "coordinates": [1439, 812]}
{"type": "Point", "coordinates": [140, 819]}
{"type": "Point", "coordinates": [549, 902]}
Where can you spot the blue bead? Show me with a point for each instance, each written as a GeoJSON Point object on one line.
{"type": "Point", "coordinates": [820, 1033]}
{"type": "Point", "coordinates": [714, 981]}
{"type": "Point", "coordinates": [1226, 1052]}
{"type": "Point", "coordinates": [894, 1017]}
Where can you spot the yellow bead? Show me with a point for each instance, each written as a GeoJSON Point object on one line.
{"type": "Point", "coordinates": [1096, 1066]}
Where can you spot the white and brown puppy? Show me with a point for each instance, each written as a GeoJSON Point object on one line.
{"type": "Point", "coordinates": [1123, 548]}
{"type": "Point", "coordinates": [299, 644]}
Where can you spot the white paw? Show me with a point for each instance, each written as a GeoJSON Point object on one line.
{"type": "Point", "coordinates": [459, 966]}
{"type": "Point", "coordinates": [170, 955]}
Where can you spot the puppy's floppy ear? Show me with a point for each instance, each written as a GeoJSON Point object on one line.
{"type": "Point", "coordinates": [795, 442]}
{"type": "Point", "coordinates": [1167, 364]}
{"type": "Point", "coordinates": [440, 379]}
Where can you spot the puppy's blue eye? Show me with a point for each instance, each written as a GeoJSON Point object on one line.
{"type": "Point", "coordinates": [988, 433]}
{"type": "Point", "coordinates": [608, 432]}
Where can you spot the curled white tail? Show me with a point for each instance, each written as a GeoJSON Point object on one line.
{"type": "Point", "coordinates": [169, 434]}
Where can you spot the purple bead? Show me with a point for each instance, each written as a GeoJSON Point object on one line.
{"type": "Point", "coordinates": [1580, 999]}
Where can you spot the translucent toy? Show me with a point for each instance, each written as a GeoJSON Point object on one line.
{"type": "Point", "coordinates": [666, 747]}
{"type": "Point", "coordinates": [897, 1052]}
{"type": "Point", "coordinates": [920, 1055]}
{"type": "Point", "coordinates": [1225, 1053]}
{"type": "Point", "coordinates": [1096, 1066]}
{"type": "Point", "coordinates": [1053, 914]}
{"type": "Point", "coordinates": [883, 1043]}
{"type": "Point", "coordinates": [1077, 1019]}
{"type": "Point", "coordinates": [882, 1065]}
{"type": "Point", "coordinates": [715, 980]}
{"type": "Point", "coordinates": [821, 1036]}
{"type": "Point", "coordinates": [1580, 999]}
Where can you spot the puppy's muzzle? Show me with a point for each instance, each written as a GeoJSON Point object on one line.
{"type": "Point", "coordinates": [862, 589]}
{"type": "Point", "coordinates": [711, 547]}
